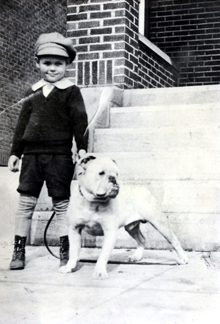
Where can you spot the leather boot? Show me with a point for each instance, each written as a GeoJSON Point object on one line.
{"type": "Point", "coordinates": [18, 257]}
{"type": "Point", "coordinates": [64, 250]}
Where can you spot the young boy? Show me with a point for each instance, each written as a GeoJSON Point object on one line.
{"type": "Point", "coordinates": [52, 114]}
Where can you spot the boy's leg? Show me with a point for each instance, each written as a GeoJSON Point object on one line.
{"type": "Point", "coordinates": [24, 214]}
{"type": "Point", "coordinates": [58, 172]}
{"type": "Point", "coordinates": [58, 175]}
{"type": "Point", "coordinates": [22, 226]}
{"type": "Point", "coordinates": [60, 207]}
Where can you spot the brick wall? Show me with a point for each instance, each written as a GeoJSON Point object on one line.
{"type": "Point", "coordinates": [189, 32]}
{"type": "Point", "coordinates": [106, 37]}
{"type": "Point", "coordinates": [109, 52]}
{"type": "Point", "coordinates": [154, 71]}
{"type": "Point", "coordinates": [21, 23]}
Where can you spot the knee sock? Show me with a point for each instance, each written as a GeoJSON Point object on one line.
{"type": "Point", "coordinates": [24, 215]}
{"type": "Point", "coordinates": [60, 208]}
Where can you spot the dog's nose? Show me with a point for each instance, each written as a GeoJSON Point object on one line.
{"type": "Point", "coordinates": [112, 179]}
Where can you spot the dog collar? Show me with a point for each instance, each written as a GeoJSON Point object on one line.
{"type": "Point", "coordinates": [80, 191]}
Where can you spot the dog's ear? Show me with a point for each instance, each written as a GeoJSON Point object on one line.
{"type": "Point", "coordinates": [82, 164]}
{"type": "Point", "coordinates": [86, 159]}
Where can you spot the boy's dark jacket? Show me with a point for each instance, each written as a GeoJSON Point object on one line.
{"type": "Point", "coordinates": [47, 125]}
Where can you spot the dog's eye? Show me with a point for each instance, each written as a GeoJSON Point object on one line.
{"type": "Point", "coordinates": [101, 173]}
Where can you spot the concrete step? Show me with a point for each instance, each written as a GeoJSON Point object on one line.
{"type": "Point", "coordinates": [167, 164]}
{"type": "Point", "coordinates": [165, 116]}
{"type": "Point", "coordinates": [142, 139]}
{"type": "Point", "coordinates": [195, 231]}
{"type": "Point", "coordinates": [193, 208]}
{"type": "Point", "coordinates": [168, 96]}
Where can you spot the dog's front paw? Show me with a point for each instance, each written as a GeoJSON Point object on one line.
{"type": "Point", "coordinates": [137, 255]}
{"type": "Point", "coordinates": [100, 273]}
{"type": "Point", "coordinates": [67, 268]}
{"type": "Point", "coordinates": [182, 260]}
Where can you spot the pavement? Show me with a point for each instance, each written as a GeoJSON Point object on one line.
{"type": "Point", "coordinates": [154, 291]}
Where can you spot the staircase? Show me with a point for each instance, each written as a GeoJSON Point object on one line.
{"type": "Point", "coordinates": [169, 140]}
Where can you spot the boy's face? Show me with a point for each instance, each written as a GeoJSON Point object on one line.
{"type": "Point", "coordinates": [52, 67]}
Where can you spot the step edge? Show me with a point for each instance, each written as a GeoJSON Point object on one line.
{"type": "Point", "coordinates": [165, 107]}
{"type": "Point", "coordinates": [176, 89]}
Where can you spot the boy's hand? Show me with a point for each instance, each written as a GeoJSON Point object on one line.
{"type": "Point", "coordinates": [81, 154]}
{"type": "Point", "coordinates": [13, 163]}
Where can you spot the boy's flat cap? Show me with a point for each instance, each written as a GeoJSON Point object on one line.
{"type": "Point", "coordinates": [55, 44]}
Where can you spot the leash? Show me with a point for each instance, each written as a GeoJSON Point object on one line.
{"type": "Point", "coordinates": [45, 236]}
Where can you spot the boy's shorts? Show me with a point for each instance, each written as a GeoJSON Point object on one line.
{"type": "Point", "coordinates": [56, 170]}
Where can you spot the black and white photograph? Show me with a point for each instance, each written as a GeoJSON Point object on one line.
{"type": "Point", "coordinates": [109, 161]}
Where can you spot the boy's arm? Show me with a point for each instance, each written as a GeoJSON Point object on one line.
{"type": "Point", "coordinates": [17, 143]}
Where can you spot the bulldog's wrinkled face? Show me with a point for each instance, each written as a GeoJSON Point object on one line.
{"type": "Point", "coordinates": [98, 178]}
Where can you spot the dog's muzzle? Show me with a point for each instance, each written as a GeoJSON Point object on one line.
{"type": "Point", "coordinates": [114, 192]}
{"type": "Point", "coordinates": [115, 189]}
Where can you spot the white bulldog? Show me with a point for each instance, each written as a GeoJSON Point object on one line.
{"type": "Point", "coordinates": [98, 207]}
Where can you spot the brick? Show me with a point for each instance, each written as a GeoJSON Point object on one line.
{"type": "Point", "coordinates": [80, 73]}
{"type": "Point", "coordinates": [87, 73]}
{"type": "Point", "coordinates": [101, 31]}
{"type": "Point", "coordinates": [89, 40]}
{"type": "Point", "coordinates": [119, 71]}
{"type": "Point", "coordinates": [119, 45]}
{"type": "Point", "coordinates": [129, 32]}
{"type": "Point", "coordinates": [89, 8]}
{"type": "Point", "coordinates": [81, 48]}
{"type": "Point", "coordinates": [114, 38]}
{"type": "Point", "coordinates": [72, 26]}
{"type": "Point", "coordinates": [94, 72]}
{"type": "Point", "coordinates": [128, 81]}
{"type": "Point", "coordinates": [88, 56]}
{"type": "Point", "coordinates": [100, 15]}
{"type": "Point", "coordinates": [71, 10]}
{"type": "Point", "coordinates": [78, 33]}
{"type": "Point", "coordinates": [102, 72]}
{"type": "Point", "coordinates": [100, 47]}
{"type": "Point", "coordinates": [116, 21]}
{"type": "Point", "coordinates": [120, 13]}
{"type": "Point", "coordinates": [119, 79]}
{"type": "Point", "coordinates": [77, 17]}
{"type": "Point", "coordinates": [128, 64]}
{"type": "Point", "coordinates": [129, 48]}
{"type": "Point", "coordinates": [115, 5]}
{"type": "Point", "coordinates": [129, 16]}
{"type": "Point", "coordinates": [120, 29]}
{"type": "Point", "coordinates": [120, 62]}
{"type": "Point", "coordinates": [89, 24]}
{"type": "Point", "coordinates": [115, 54]}
{"type": "Point", "coordinates": [109, 72]}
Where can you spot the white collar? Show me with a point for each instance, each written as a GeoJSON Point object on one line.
{"type": "Point", "coordinates": [61, 84]}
